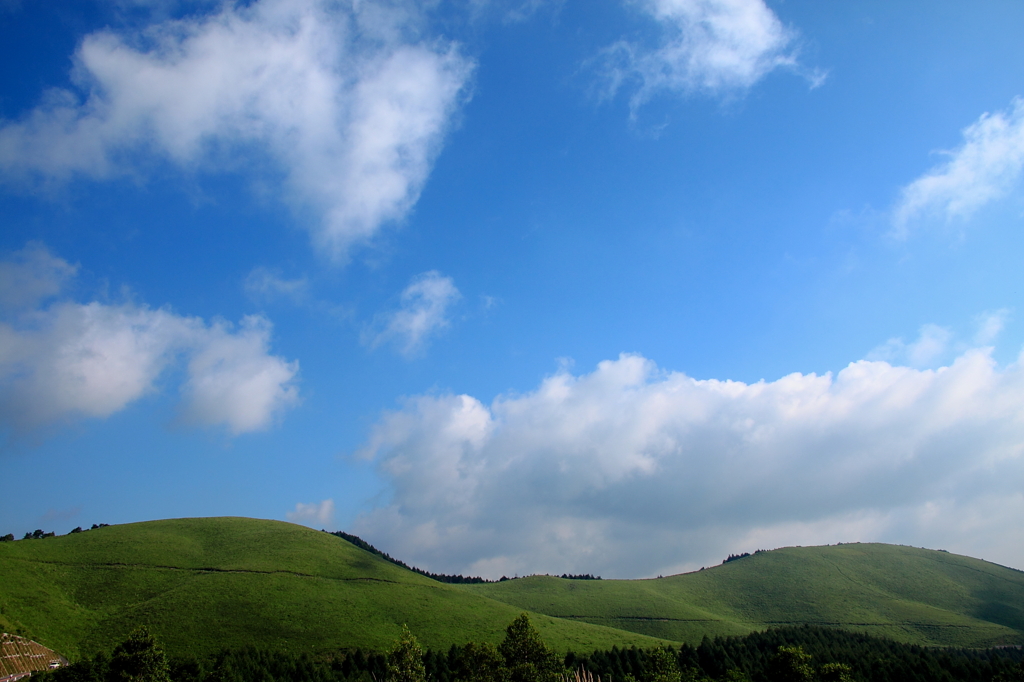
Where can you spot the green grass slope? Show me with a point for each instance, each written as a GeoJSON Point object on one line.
{"type": "Point", "coordinates": [205, 584]}
{"type": "Point", "coordinates": [904, 593]}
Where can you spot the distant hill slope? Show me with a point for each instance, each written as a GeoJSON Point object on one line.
{"type": "Point", "coordinates": [907, 594]}
{"type": "Point", "coordinates": [205, 584]}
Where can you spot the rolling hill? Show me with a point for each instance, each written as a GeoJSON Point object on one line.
{"type": "Point", "coordinates": [904, 593]}
{"type": "Point", "coordinates": [205, 584]}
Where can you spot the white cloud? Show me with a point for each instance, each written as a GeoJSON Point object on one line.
{"type": "Point", "coordinates": [233, 380]}
{"type": "Point", "coordinates": [713, 46]}
{"type": "Point", "coordinates": [348, 109]}
{"type": "Point", "coordinates": [69, 360]}
{"type": "Point", "coordinates": [935, 345]}
{"type": "Point", "coordinates": [931, 346]}
{"type": "Point", "coordinates": [30, 276]}
{"type": "Point", "coordinates": [985, 168]}
{"type": "Point", "coordinates": [316, 514]}
{"type": "Point", "coordinates": [631, 471]}
{"type": "Point", "coordinates": [423, 311]}
{"type": "Point", "coordinates": [989, 325]}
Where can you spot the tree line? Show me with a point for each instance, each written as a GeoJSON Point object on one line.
{"type": "Point", "coordinates": [440, 577]}
{"type": "Point", "coordinates": [790, 654]}
{"type": "Point", "coordinates": [734, 557]}
{"type": "Point", "coordinates": [39, 533]}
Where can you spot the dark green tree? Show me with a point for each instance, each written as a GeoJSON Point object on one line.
{"type": "Point", "coordinates": [734, 675]}
{"type": "Point", "coordinates": [1015, 674]}
{"type": "Point", "coordinates": [526, 656]}
{"type": "Point", "coordinates": [480, 663]}
{"type": "Point", "coordinates": [405, 660]}
{"type": "Point", "coordinates": [139, 659]}
{"type": "Point", "coordinates": [661, 666]}
{"type": "Point", "coordinates": [835, 672]}
{"type": "Point", "coordinates": [790, 664]}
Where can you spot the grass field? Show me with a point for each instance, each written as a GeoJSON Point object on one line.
{"type": "Point", "coordinates": [205, 584]}
{"type": "Point", "coordinates": [904, 593]}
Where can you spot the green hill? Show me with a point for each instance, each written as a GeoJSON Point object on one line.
{"type": "Point", "coordinates": [205, 584]}
{"type": "Point", "coordinates": [903, 593]}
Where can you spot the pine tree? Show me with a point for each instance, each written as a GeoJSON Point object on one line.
{"type": "Point", "coordinates": [139, 659]}
{"type": "Point", "coordinates": [405, 660]}
{"type": "Point", "coordinates": [790, 664]}
{"type": "Point", "coordinates": [526, 656]}
{"type": "Point", "coordinates": [661, 666]}
{"type": "Point", "coordinates": [480, 663]}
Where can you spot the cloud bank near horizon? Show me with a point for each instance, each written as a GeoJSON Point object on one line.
{"type": "Point", "coordinates": [62, 360]}
{"type": "Point", "coordinates": [633, 471]}
{"type": "Point", "coordinates": [340, 104]}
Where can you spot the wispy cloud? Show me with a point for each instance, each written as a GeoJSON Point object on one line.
{"type": "Point", "coordinates": [62, 359]}
{"type": "Point", "coordinates": [936, 345]}
{"type": "Point", "coordinates": [332, 97]}
{"type": "Point", "coordinates": [423, 311]}
{"type": "Point", "coordinates": [315, 514]}
{"type": "Point", "coordinates": [989, 324]}
{"type": "Point", "coordinates": [268, 285]}
{"type": "Point", "coordinates": [929, 348]}
{"type": "Point", "coordinates": [32, 275]}
{"type": "Point", "coordinates": [631, 471]}
{"type": "Point", "coordinates": [710, 46]}
{"type": "Point", "coordinates": [986, 167]}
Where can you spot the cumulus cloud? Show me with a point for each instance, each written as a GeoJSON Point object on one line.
{"type": "Point", "coordinates": [233, 380]}
{"type": "Point", "coordinates": [64, 360]}
{"type": "Point", "coordinates": [632, 471]}
{"type": "Point", "coordinates": [712, 46]}
{"type": "Point", "coordinates": [986, 167]}
{"type": "Point", "coordinates": [423, 311]}
{"type": "Point", "coordinates": [337, 97]}
{"type": "Point", "coordinates": [316, 514]}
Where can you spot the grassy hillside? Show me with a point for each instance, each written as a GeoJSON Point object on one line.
{"type": "Point", "coordinates": [204, 584]}
{"type": "Point", "coordinates": [908, 594]}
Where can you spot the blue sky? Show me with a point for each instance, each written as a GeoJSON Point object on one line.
{"type": "Point", "coordinates": [509, 287]}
